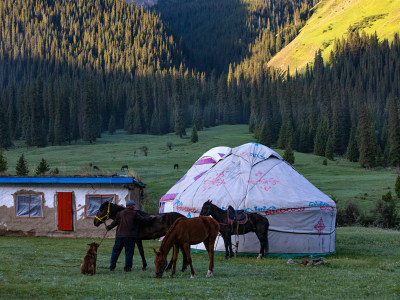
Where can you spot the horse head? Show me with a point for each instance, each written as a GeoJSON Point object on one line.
{"type": "Point", "coordinates": [103, 214]}
{"type": "Point", "coordinates": [206, 209]}
{"type": "Point", "coordinates": [160, 262]}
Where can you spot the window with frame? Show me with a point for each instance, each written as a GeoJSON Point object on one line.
{"type": "Point", "coordinates": [93, 203]}
{"type": "Point", "coordinates": [29, 206]}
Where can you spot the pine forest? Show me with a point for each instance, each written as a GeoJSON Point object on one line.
{"type": "Point", "coordinates": [70, 70]}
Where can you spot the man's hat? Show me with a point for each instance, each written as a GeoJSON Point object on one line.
{"type": "Point", "coordinates": [130, 202]}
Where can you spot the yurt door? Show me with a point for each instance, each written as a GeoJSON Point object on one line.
{"type": "Point", "coordinates": [64, 210]}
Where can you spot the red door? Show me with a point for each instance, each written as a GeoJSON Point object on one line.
{"type": "Point", "coordinates": [64, 211]}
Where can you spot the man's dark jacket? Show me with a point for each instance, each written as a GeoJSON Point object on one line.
{"type": "Point", "coordinates": [128, 223]}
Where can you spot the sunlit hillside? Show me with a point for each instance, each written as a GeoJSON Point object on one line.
{"type": "Point", "coordinates": [331, 20]}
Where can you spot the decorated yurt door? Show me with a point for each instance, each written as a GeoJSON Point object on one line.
{"type": "Point", "coordinates": [64, 210]}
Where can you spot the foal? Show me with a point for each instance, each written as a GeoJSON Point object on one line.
{"type": "Point", "coordinates": [183, 233]}
{"type": "Point", "coordinates": [89, 262]}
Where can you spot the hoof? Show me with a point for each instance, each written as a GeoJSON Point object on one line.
{"type": "Point", "coordinates": [209, 274]}
{"type": "Point", "coordinates": [191, 276]}
{"type": "Point", "coordinates": [259, 256]}
{"type": "Point", "coordinates": [144, 268]}
{"type": "Point", "coordinates": [171, 276]}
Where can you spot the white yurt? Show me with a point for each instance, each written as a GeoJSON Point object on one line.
{"type": "Point", "coordinates": [255, 178]}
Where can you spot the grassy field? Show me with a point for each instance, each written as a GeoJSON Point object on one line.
{"type": "Point", "coordinates": [366, 266]}
{"type": "Point", "coordinates": [331, 19]}
{"type": "Point", "coordinates": [340, 179]}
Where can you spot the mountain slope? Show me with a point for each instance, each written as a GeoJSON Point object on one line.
{"type": "Point", "coordinates": [331, 20]}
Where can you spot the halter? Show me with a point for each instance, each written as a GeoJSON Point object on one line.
{"type": "Point", "coordinates": [105, 216]}
{"type": "Point", "coordinates": [164, 266]}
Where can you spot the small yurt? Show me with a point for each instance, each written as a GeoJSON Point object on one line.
{"type": "Point", "coordinates": [254, 178]}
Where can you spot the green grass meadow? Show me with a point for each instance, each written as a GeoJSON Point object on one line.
{"type": "Point", "coordinates": [366, 266]}
{"type": "Point", "coordinates": [340, 179]}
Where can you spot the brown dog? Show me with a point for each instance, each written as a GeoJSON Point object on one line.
{"type": "Point", "coordinates": [89, 262]}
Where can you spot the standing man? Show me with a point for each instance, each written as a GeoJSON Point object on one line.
{"type": "Point", "coordinates": [127, 221]}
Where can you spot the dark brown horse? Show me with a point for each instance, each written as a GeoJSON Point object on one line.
{"type": "Point", "coordinates": [154, 229]}
{"type": "Point", "coordinates": [183, 233]}
{"type": "Point", "coordinates": [255, 223]}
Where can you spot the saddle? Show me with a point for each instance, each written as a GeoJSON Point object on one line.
{"type": "Point", "coordinates": [238, 216]}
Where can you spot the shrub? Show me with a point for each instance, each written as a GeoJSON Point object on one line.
{"type": "Point", "coordinates": [385, 211]}
{"type": "Point", "coordinates": [397, 187]}
{"type": "Point", "coordinates": [169, 145]}
{"type": "Point", "coordinates": [145, 150]}
{"type": "Point", "coordinates": [325, 162]}
{"type": "Point", "coordinates": [350, 215]}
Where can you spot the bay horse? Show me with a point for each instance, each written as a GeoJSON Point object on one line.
{"type": "Point", "coordinates": [183, 233]}
{"type": "Point", "coordinates": [255, 223]}
{"type": "Point", "coordinates": [154, 229]}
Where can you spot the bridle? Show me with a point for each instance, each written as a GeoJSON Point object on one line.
{"type": "Point", "coordinates": [107, 216]}
{"type": "Point", "coordinates": [164, 266]}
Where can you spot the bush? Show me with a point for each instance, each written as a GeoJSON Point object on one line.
{"type": "Point", "coordinates": [350, 215]}
{"type": "Point", "coordinates": [397, 187]}
{"type": "Point", "coordinates": [325, 162]}
{"type": "Point", "coordinates": [385, 211]}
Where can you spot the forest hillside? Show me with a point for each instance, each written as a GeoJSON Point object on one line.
{"type": "Point", "coordinates": [332, 19]}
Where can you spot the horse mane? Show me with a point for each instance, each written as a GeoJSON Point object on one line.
{"type": "Point", "coordinates": [169, 231]}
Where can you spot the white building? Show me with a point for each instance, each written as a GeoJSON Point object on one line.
{"type": "Point", "coordinates": [60, 206]}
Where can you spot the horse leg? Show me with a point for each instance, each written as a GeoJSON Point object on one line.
{"type": "Point", "coordinates": [171, 261]}
{"type": "Point", "coordinates": [229, 239]}
{"type": "Point", "coordinates": [174, 259]}
{"type": "Point", "coordinates": [226, 238]}
{"type": "Point", "coordinates": [209, 244]}
{"type": "Point", "coordinates": [186, 248]}
{"type": "Point", "coordinates": [140, 247]}
{"type": "Point", "coordinates": [263, 238]}
{"type": "Point", "coordinates": [184, 262]}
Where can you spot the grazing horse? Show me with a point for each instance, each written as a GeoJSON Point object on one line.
{"type": "Point", "coordinates": [255, 223]}
{"type": "Point", "coordinates": [153, 229]}
{"type": "Point", "coordinates": [183, 233]}
{"type": "Point", "coordinates": [124, 167]}
{"type": "Point", "coordinates": [176, 166]}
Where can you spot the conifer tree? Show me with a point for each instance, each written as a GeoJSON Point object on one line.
{"type": "Point", "coordinates": [90, 114]}
{"type": "Point", "coordinates": [366, 139]}
{"type": "Point", "coordinates": [3, 163]}
{"type": "Point", "coordinates": [352, 153]}
{"type": "Point", "coordinates": [21, 167]}
{"type": "Point", "coordinates": [111, 125]}
{"type": "Point", "coordinates": [394, 133]}
{"type": "Point", "coordinates": [155, 124]}
{"type": "Point", "coordinates": [194, 138]}
{"type": "Point", "coordinates": [42, 168]}
{"type": "Point", "coordinates": [5, 139]}
{"type": "Point", "coordinates": [329, 149]}
{"type": "Point", "coordinates": [288, 155]}
{"type": "Point", "coordinates": [320, 140]}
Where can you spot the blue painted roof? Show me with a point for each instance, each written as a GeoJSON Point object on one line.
{"type": "Point", "coordinates": [66, 180]}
